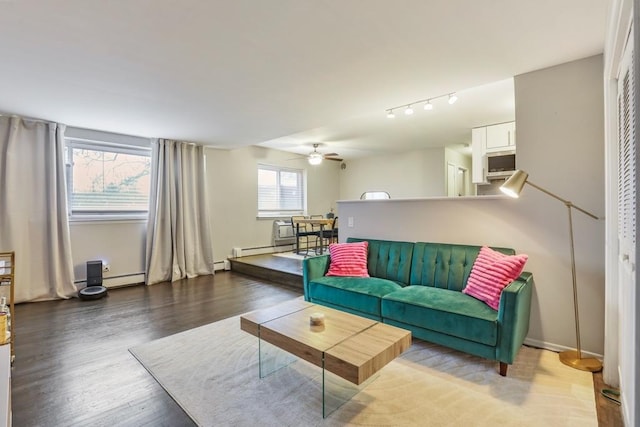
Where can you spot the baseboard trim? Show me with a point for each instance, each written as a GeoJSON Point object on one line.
{"type": "Point", "coordinates": [118, 282]}
{"type": "Point", "coordinates": [136, 278]}
{"type": "Point", "coordinates": [557, 347]}
{"type": "Point", "coordinates": [266, 250]}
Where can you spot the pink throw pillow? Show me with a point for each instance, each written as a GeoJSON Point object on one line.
{"type": "Point", "coordinates": [492, 271]}
{"type": "Point", "coordinates": [348, 259]}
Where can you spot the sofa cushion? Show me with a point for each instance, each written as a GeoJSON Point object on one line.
{"type": "Point", "coordinates": [348, 259]}
{"type": "Point", "coordinates": [444, 265]}
{"type": "Point", "coordinates": [443, 310]}
{"type": "Point", "coordinates": [491, 273]}
{"type": "Point", "coordinates": [358, 293]}
{"type": "Point", "coordinates": [388, 259]}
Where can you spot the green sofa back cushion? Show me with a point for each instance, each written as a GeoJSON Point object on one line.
{"type": "Point", "coordinates": [444, 265]}
{"type": "Point", "coordinates": [389, 260]}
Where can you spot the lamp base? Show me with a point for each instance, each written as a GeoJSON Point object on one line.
{"type": "Point", "coordinates": [570, 358]}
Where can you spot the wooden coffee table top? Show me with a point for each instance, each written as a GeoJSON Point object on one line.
{"type": "Point", "coordinates": [352, 347]}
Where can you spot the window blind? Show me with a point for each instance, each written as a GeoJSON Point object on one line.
{"type": "Point", "coordinates": [280, 191]}
{"type": "Point", "coordinates": [626, 154]}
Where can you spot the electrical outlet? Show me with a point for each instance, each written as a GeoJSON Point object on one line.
{"type": "Point", "coordinates": [106, 268]}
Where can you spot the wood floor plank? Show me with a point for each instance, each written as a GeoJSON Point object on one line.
{"type": "Point", "coordinates": [609, 413]}
{"type": "Point", "coordinates": [73, 367]}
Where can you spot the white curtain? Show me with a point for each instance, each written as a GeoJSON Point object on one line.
{"type": "Point", "coordinates": [178, 232]}
{"type": "Point", "coordinates": [33, 208]}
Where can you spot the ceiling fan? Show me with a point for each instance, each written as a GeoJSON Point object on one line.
{"type": "Point", "coordinates": [315, 158]}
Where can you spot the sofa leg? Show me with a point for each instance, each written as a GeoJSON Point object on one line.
{"type": "Point", "coordinates": [503, 369]}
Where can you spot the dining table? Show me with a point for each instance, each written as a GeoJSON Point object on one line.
{"type": "Point", "coordinates": [321, 222]}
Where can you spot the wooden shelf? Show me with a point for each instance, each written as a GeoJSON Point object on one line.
{"type": "Point", "coordinates": [7, 349]}
{"type": "Point", "coordinates": [7, 280]}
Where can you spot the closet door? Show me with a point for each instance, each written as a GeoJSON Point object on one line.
{"type": "Point", "coordinates": [627, 229]}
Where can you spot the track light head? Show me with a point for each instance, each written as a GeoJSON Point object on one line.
{"type": "Point", "coordinates": [390, 114]}
{"type": "Point", "coordinates": [452, 98]}
{"type": "Point", "coordinates": [408, 111]}
{"type": "Point", "coordinates": [428, 106]}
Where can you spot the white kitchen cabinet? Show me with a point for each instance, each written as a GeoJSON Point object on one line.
{"type": "Point", "coordinates": [501, 137]}
{"type": "Point", "coordinates": [479, 155]}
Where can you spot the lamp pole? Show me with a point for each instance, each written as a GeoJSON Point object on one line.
{"type": "Point", "coordinates": [575, 285]}
{"type": "Point", "coordinates": [570, 357]}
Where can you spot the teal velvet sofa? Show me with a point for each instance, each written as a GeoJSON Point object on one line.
{"type": "Point", "coordinates": [418, 286]}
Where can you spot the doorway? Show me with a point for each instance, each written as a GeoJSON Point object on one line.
{"type": "Point", "coordinates": [456, 180]}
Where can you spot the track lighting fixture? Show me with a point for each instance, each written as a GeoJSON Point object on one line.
{"type": "Point", "coordinates": [408, 108]}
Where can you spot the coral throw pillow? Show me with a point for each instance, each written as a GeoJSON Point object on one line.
{"type": "Point", "coordinates": [348, 259]}
{"type": "Point", "coordinates": [491, 273]}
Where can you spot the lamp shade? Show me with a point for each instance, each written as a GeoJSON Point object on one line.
{"type": "Point", "coordinates": [315, 158]}
{"type": "Point", "coordinates": [513, 186]}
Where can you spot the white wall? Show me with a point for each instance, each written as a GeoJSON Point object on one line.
{"type": "Point", "coordinates": [119, 243]}
{"type": "Point", "coordinates": [560, 117]}
{"type": "Point", "coordinates": [419, 173]}
{"type": "Point", "coordinates": [232, 187]}
{"type": "Point", "coordinates": [560, 143]}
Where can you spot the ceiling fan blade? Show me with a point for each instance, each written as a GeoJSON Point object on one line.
{"type": "Point", "coordinates": [331, 155]}
{"type": "Point", "coordinates": [335, 159]}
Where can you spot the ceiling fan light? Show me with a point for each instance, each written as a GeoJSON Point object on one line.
{"type": "Point", "coordinates": [408, 111]}
{"type": "Point", "coordinates": [315, 158]}
{"type": "Point", "coordinates": [452, 98]}
{"type": "Point", "coordinates": [428, 106]}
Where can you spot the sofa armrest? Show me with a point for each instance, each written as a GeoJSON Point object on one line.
{"type": "Point", "coordinates": [513, 317]}
{"type": "Point", "coordinates": [312, 268]}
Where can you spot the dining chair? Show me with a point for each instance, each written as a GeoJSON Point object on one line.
{"type": "Point", "coordinates": [329, 234]}
{"type": "Point", "coordinates": [316, 228]}
{"type": "Point", "coordinates": [301, 232]}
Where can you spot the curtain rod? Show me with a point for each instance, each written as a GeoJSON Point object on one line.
{"type": "Point", "coordinates": [2, 114]}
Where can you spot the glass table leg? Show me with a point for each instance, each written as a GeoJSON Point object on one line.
{"type": "Point", "coordinates": [272, 358]}
{"type": "Point", "coordinates": [337, 391]}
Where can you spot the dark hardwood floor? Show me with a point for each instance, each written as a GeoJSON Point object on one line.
{"type": "Point", "coordinates": [73, 367]}
{"type": "Point", "coordinates": [609, 413]}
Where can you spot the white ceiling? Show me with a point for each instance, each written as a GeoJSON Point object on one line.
{"type": "Point", "coordinates": [285, 73]}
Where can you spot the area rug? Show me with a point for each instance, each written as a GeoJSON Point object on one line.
{"type": "Point", "coordinates": [212, 373]}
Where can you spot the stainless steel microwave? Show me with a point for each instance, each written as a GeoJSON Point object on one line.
{"type": "Point", "coordinates": [501, 165]}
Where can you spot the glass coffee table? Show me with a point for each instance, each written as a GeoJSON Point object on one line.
{"type": "Point", "coordinates": [349, 349]}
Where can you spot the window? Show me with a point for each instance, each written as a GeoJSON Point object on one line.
{"type": "Point", "coordinates": [107, 179]}
{"type": "Point", "coordinates": [280, 191]}
{"type": "Point", "coordinates": [375, 195]}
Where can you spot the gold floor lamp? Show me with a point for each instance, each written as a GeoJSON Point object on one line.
{"type": "Point", "coordinates": [512, 187]}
